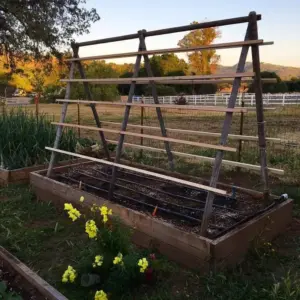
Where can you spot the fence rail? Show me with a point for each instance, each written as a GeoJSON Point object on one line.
{"type": "Point", "coordinates": [222, 99]}
{"type": "Point", "coordinates": [19, 101]}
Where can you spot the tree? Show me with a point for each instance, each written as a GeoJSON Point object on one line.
{"type": "Point", "coordinates": [34, 26]}
{"type": "Point", "coordinates": [202, 62]}
{"type": "Point", "coordinates": [97, 69]}
{"type": "Point", "coordinates": [278, 87]}
{"type": "Point", "coordinates": [293, 85]}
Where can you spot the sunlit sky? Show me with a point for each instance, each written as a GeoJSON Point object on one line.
{"type": "Point", "coordinates": [280, 23]}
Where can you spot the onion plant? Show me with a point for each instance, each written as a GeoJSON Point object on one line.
{"type": "Point", "coordinates": [23, 139]}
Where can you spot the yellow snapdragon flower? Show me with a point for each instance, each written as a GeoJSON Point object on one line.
{"type": "Point", "coordinates": [69, 275]}
{"type": "Point", "coordinates": [101, 295]}
{"type": "Point", "coordinates": [94, 208]}
{"type": "Point", "coordinates": [98, 261]}
{"type": "Point", "coordinates": [143, 264]}
{"type": "Point", "coordinates": [104, 211]}
{"type": "Point", "coordinates": [118, 260]}
{"type": "Point", "coordinates": [91, 229]}
{"type": "Point", "coordinates": [73, 213]}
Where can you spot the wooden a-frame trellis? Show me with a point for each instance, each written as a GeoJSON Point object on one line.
{"type": "Point", "coordinates": [251, 40]}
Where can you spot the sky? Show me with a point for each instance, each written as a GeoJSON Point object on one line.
{"type": "Point", "coordinates": [280, 23]}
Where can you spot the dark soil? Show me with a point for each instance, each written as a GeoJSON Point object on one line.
{"type": "Point", "coordinates": [15, 283]}
{"type": "Point", "coordinates": [176, 204]}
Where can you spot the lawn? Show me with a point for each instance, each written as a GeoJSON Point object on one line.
{"type": "Point", "coordinates": [42, 236]}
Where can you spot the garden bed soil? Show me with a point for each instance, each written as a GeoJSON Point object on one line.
{"type": "Point", "coordinates": [22, 175]}
{"type": "Point", "coordinates": [22, 280]}
{"type": "Point", "coordinates": [175, 230]}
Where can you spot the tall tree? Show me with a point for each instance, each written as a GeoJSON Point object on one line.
{"type": "Point", "coordinates": [97, 69]}
{"type": "Point", "coordinates": [35, 26]}
{"type": "Point", "coordinates": [278, 87]}
{"type": "Point", "coordinates": [201, 62]}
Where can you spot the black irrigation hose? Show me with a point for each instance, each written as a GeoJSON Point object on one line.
{"type": "Point", "coordinates": [134, 200]}
{"type": "Point", "coordinates": [170, 194]}
{"type": "Point", "coordinates": [152, 198]}
{"type": "Point", "coordinates": [136, 191]}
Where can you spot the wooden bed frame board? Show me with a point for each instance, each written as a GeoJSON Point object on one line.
{"type": "Point", "coordinates": [11, 263]}
{"type": "Point", "coordinates": [22, 175]}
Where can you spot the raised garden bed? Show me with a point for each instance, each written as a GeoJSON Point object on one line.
{"type": "Point", "coordinates": [24, 281]}
{"type": "Point", "coordinates": [237, 221]}
{"type": "Point", "coordinates": [22, 175]}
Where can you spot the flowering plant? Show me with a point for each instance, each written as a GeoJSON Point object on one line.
{"type": "Point", "coordinates": [116, 266]}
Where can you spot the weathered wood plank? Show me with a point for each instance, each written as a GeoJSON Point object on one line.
{"type": "Point", "coordinates": [165, 106]}
{"type": "Point", "coordinates": [105, 162]}
{"type": "Point", "coordinates": [203, 158]}
{"type": "Point", "coordinates": [148, 79]}
{"type": "Point", "coordinates": [174, 50]}
{"type": "Point", "coordinates": [148, 136]}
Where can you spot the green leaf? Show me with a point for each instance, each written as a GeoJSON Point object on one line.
{"type": "Point", "coordinates": [2, 288]}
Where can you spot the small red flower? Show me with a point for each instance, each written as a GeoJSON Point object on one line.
{"type": "Point", "coordinates": [152, 256]}
{"type": "Point", "coordinates": [149, 275]}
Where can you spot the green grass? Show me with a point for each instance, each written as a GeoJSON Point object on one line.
{"type": "Point", "coordinates": [23, 139]}
{"type": "Point", "coordinates": [41, 236]}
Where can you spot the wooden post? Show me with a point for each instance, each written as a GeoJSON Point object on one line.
{"type": "Point", "coordinates": [142, 128]}
{"type": "Point", "coordinates": [78, 118]}
{"type": "Point", "coordinates": [156, 101]}
{"type": "Point", "coordinates": [241, 130]}
{"type": "Point", "coordinates": [225, 131]}
{"type": "Point", "coordinates": [92, 105]}
{"type": "Point", "coordinates": [37, 101]}
{"type": "Point", "coordinates": [124, 123]}
{"type": "Point", "coordinates": [259, 107]}
{"type": "Point", "coordinates": [62, 120]}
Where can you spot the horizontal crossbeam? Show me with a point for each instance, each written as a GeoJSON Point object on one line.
{"type": "Point", "coordinates": [202, 158]}
{"type": "Point", "coordinates": [202, 25]}
{"type": "Point", "coordinates": [147, 136]}
{"type": "Point", "coordinates": [162, 79]}
{"type": "Point", "coordinates": [201, 133]}
{"type": "Point", "coordinates": [145, 172]}
{"type": "Point", "coordinates": [165, 106]}
{"type": "Point", "coordinates": [189, 81]}
{"type": "Point", "coordinates": [174, 50]}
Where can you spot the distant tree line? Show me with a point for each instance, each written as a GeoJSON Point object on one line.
{"type": "Point", "coordinates": [290, 86]}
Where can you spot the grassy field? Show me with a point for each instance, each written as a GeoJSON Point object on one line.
{"type": "Point", "coordinates": [41, 236]}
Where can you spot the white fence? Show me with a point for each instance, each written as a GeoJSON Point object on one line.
{"type": "Point", "coordinates": [222, 99]}
{"type": "Point", "coordinates": [19, 101]}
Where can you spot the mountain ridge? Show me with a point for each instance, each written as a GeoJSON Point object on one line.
{"type": "Point", "coordinates": [284, 72]}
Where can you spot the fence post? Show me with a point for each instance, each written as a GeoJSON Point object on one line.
{"type": "Point", "coordinates": [252, 98]}
{"type": "Point", "coordinates": [283, 100]}
{"type": "Point", "coordinates": [215, 99]}
{"type": "Point", "coordinates": [239, 153]}
{"type": "Point", "coordinates": [195, 101]}
{"type": "Point", "coordinates": [142, 124]}
{"type": "Point", "coordinates": [78, 118]}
